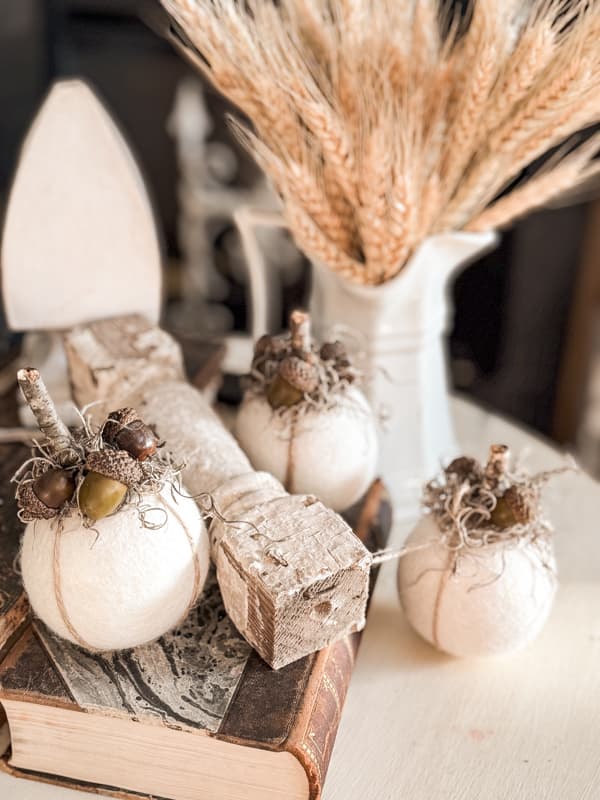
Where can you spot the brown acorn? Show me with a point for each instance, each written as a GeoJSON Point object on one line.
{"type": "Point", "coordinates": [54, 488]}
{"type": "Point", "coordinates": [124, 429]}
{"type": "Point", "coordinates": [295, 378]}
{"type": "Point", "coordinates": [43, 497]}
{"type": "Point", "coordinates": [271, 346]}
{"type": "Point", "coordinates": [261, 345]}
{"type": "Point", "coordinates": [465, 469]}
{"type": "Point", "coordinates": [334, 351]}
{"type": "Point", "coordinates": [111, 473]}
{"type": "Point", "coordinates": [513, 508]}
{"type": "Point", "coordinates": [31, 505]}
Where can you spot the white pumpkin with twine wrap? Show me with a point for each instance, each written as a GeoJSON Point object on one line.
{"type": "Point", "coordinates": [106, 571]}
{"type": "Point", "coordinates": [119, 583]}
{"type": "Point", "coordinates": [304, 420]}
{"type": "Point", "coordinates": [477, 576]}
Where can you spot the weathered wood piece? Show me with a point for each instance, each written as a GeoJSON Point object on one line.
{"type": "Point", "coordinates": [293, 575]}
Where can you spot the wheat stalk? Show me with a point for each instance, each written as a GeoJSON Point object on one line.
{"type": "Point", "coordinates": [573, 171]}
{"type": "Point", "coordinates": [380, 123]}
{"type": "Point", "coordinates": [315, 244]}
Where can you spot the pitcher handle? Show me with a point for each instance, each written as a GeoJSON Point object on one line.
{"type": "Point", "coordinates": [265, 296]}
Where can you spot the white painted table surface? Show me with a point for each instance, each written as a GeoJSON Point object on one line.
{"type": "Point", "coordinates": [418, 725]}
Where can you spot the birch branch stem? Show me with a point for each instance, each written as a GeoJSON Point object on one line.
{"type": "Point", "coordinates": [58, 438]}
{"type": "Point", "coordinates": [300, 330]}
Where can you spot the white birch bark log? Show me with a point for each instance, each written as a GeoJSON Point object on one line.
{"type": "Point", "coordinates": [293, 575]}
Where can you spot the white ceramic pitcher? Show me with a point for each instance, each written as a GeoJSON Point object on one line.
{"type": "Point", "coordinates": [400, 328]}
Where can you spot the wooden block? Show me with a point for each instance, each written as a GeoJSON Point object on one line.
{"type": "Point", "coordinates": [293, 575]}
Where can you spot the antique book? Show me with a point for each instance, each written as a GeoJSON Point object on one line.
{"type": "Point", "coordinates": [195, 715]}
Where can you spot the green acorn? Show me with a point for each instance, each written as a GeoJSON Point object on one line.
{"type": "Point", "coordinates": [104, 488]}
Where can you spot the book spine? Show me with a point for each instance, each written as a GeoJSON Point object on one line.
{"type": "Point", "coordinates": [313, 736]}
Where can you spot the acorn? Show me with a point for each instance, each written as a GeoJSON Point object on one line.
{"type": "Point", "coordinates": [111, 473]}
{"type": "Point", "coordinates": [29, 502]}
{"type": "Point", "coordinates": [513, 508]}
{"type": "Point", "coordinates": [270, 346]}
{"type": "Point", "coordinates": [334, 351]}
{"type": "Point", "coordinates": [43, 497]}
{"type": "Point", "coordinates": [124, 429]}
{"type": "Point", "coordinates": [54, 488]}
{"type": "Point", "coordinates": [268, 352]}
{"type": "Point", "coordinates": [465, 469]}
{"type": "Point", "coordinates": [345, 370]}
{"type": "Point", "coordinates": [295, 378]}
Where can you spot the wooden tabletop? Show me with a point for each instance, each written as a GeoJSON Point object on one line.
{"type": "Point", "coordinates": [418, 725]}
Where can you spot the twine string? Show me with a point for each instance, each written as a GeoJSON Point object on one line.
{"type": "Point", "coordinates": [58, 593]}
{"type": "Point", "coordinates": [197, 574]}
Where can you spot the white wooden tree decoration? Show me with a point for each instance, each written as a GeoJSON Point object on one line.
{"type": "Point", "coordinates": [74, 247]}
{"type": "Point", "coordinates": [293, 575]}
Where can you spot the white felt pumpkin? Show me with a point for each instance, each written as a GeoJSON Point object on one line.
{"type": "Point", "coordinates": [495, 600]}
{"type": "Point", "coordinates": [330, 453]}
{"type": "Point", "coordinates": [118, 584]}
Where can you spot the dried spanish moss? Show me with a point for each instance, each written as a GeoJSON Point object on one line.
{"type": "Point", "coordinates": [152, 475]}
{"type": "Point", "coordinates": [476, 506]}
{"type": "Point", "coordinates": [295, 373]}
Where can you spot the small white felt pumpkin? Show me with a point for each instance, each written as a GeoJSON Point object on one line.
{"type": "Point", "coordinates": [117, 584]}
{"type": "Point", "coordinates": [491, 600]}
{"type": "Point", "coordinates": [304, 420]}
{"type": "Point", "coordinates": [331, 453]}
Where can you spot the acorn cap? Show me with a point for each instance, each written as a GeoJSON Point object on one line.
{"type": "Point", "coordinates": [299, 374]}
{"type": "Point", "coordinates": [116, 464]}
{"type": "Point", "coordinates": [334, 351]}
{"type": "Point", "coordinates": [28, 501]}
{"type": "Point", "coordinates": [117, 420]}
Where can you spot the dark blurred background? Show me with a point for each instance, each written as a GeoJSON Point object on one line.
{"type": "Point", "coordinates": [523, 338]}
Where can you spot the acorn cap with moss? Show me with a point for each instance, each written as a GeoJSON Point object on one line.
{"type": "Point", "coordinates": [115, 464]}
{"type": "Point", "coordinates": [299, 374]}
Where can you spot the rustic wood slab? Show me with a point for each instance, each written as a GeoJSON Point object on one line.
{"type": "Point", "coordinates": [293, 576]}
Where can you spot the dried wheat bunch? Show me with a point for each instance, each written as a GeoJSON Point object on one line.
{"type": "Point", "coordinates": [381, 122]}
